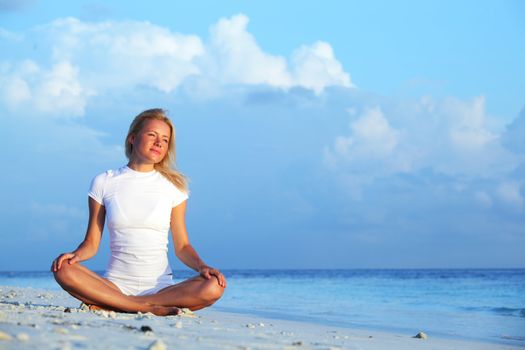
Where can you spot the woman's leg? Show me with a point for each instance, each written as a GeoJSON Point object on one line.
{"type": "Point", "coordinates": [194, 293]}
{"type": "Point", "coordinates": [93, 289]}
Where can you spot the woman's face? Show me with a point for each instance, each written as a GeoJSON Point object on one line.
{"type": "Point", "coordinates": [151, 143]}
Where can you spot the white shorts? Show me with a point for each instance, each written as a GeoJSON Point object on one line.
{"type": "Point", "coordinates": [140, 286]}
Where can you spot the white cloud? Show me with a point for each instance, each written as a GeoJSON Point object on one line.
{"type": "Point", "coordinates": [87, 59]}
{"type": "Point", "coordinates": [234, 57]}
{"type": "Point", "coordinates": [369, 147]}
{"type": "Point", "coordinates": [377, 137]}
{"type": "Point", "coordinates": [93, 58]}
{"type": "Point", "coordinates": [451, 136]}
{"type": "Point", "coordinates": [316, 67]}
{"type": "Point", "coordinates": [15, 90]}
{"type": "Point", "coordinates": [56, 91]}
{"type": "Point", "coordinates": [469, 131]}
{"type": "Point", "coordinates": [114, 55]}
{"type": "Point", "coordinates": [60, 89]}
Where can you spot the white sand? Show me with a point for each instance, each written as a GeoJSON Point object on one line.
{"type": "Point", "coordinates": [36, 319]}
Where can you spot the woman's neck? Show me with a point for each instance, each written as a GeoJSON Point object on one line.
{"type": "Point", "coordinates": [142, 167]}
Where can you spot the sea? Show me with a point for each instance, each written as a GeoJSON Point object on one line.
{"type": "Point", "coordinates": [472, 304]}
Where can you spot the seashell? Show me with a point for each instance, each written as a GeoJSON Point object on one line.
{"type": "Point", "coordinates": [61, 330]}
{"type": "Point", "coordinates": [22, 336]}
{"type": "Point", "coordinates": [157, 345]}
{"type": "Point", "coordinates": [420, 335]}
{"type": "Point", "coordinates": [5, 336]}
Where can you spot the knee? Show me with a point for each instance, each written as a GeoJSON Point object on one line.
{"type": "Point", "coordinates": [65, 274]}
{"type": "Point", "coordinates": [212, 291]}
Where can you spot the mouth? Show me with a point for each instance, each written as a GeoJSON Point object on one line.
{"type": "Point", "coordinates": [155, 151]}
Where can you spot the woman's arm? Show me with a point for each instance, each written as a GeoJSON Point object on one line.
{"type": "Point", "coordinates": [89, 246]}
{"type": "Point", "coordinates": [183, 248]}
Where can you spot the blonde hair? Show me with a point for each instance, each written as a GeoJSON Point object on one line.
{"type": "Point", "coordinates": [167, 165]}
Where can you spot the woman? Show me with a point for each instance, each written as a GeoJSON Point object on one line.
{"type": "Point", "coordinates": [141, 202]}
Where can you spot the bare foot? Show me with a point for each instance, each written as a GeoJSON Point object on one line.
{"type": "Point", "coordinates": [93, 307]}
{"type": "Point", "coordinates": [96, 307]}
{"type": "Point", "coordinates": [165, 310]}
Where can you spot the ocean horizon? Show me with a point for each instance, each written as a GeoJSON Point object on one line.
{"type": "Point", "coordinates": [476, 304]}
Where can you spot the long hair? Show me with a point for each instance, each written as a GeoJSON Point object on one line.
{"type": "Point", "coordinates": [167, 165]}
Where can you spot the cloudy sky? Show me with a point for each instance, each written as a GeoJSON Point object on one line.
{"type": "Point", "coordinates": [315, 135]}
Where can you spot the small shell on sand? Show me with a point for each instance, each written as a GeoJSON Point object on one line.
{"type": "Point", "coordinates": [11, 294]}
{"type": "Point", "coordinates": [421, 335]}
{"type": "Point", "coordinates": [22, 336]}
{"type": "Point", "coordinates": [157, 345]}
{"type": "Point", "coordinates": [178, 324]}
{"type": "Point", "coordinates": [45, 296]}
{"type": "Point", "coordinates": [5, 336]}
{"type": "Point", "coordinates": [185, 312]}
{"type": "Point", "coordinates": [61, 330]}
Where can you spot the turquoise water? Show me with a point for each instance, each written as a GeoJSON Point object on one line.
{"type": "Point", "coordinates": [483, 304]}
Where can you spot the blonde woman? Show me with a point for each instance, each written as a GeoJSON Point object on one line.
{"type": "Point", "coordinates": [140, 203]}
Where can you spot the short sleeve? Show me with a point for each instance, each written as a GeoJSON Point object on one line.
{"type": "Point", "coordinates": [179, 197]}
{"type": "Point", "coordinates": [96, 190]}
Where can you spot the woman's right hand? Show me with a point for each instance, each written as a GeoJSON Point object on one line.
{"type": "Point", "coordinates": [57, 263]}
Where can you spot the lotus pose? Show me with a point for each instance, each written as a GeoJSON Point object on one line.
{"type": "Point", "coordinates": [141, 202]}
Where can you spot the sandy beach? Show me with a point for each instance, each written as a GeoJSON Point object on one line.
{"type": "Point", "coordinates": [44, 319]}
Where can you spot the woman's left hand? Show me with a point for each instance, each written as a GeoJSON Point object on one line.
{"type": "Point", "coordinates": [207, 272]}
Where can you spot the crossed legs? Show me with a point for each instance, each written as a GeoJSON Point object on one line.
{"type": "Point", "coordinates": [85, 285]}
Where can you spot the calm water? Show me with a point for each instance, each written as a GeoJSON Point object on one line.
{"type": "Point", "coordinates": [474, 304]}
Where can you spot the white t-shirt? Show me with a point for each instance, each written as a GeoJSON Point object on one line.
{"type": "Point", "coordinates": [138, 212]}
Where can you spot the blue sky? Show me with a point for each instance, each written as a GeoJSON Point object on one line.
{"type": "Point", "coordinates": [322, 135]}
